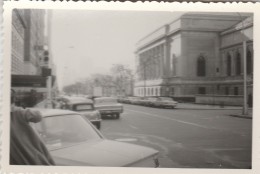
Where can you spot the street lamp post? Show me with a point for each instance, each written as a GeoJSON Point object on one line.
{"type": "Point", "coordinates": [245, 107]}
{"type": "Point", "coordinates": [144, 81]}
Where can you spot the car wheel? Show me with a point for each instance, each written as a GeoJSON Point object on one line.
{"type": "Point", "coordinates": [98, 125]}
{"type": "Point", "coordinates": [117, 116]}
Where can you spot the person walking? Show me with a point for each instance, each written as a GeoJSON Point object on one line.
{"type": "Point", "coordinates": [26, 148]}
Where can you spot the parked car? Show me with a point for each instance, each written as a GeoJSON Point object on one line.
{"type": "Point", "coordinates": [108, 106]}
{"type": "Point", "coordinates": [133, 100]}
{"type": "Point", "coordinates": [151, 101]}
{"type": "Point", "coordinates": [165, 102]}
{"type": "Point", "coordinates": [142, 101]}
{"type": "Point", "coordinates": [73, 141]}
{"type": "Point", "coordinates": [84, 107]}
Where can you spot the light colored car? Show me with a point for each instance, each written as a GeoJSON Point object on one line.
{"type": "Point", "coordinates": [72, 140]}
{"type": "Point", "coordinates": [108, 106]}
{"type": "Point", "coordinates": [84, 107]}
{"type": "Point", "coordinates": [165, 102]}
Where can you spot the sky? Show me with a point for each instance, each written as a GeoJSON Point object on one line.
{"type": "Point", "coordinates": [85, 42]}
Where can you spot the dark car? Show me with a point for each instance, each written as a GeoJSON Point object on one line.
{"type": "Point", "coordinates": [73, 141]}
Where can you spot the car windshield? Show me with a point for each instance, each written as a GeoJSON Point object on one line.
{"type": "Point", "coordinates": [66, 130]}
{"type": "Point", "coordinates": [83, 107]}
{"type": "Point", "coordinates": [105, 100]}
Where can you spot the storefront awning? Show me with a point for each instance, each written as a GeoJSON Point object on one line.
{"type": "Point", "coordinates": [34, 81]}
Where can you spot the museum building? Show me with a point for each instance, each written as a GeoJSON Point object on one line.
{"type": "Point", "coordinates": [196, 54]}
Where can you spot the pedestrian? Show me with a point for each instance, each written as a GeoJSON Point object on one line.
{"type": "Point", "coordinates": [26, 148]}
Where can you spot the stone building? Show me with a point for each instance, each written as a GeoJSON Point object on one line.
{"type": "Point", "coordinates": [198, 53]}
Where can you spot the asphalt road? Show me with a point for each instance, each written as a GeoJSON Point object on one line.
{"type": "Point", "coordinates": [186, 138]}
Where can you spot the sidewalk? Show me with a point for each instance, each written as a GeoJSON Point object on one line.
{"type": "Point", "coordinates": [194, 106]}
{"type": "Point", "coordinates": [238, 109]}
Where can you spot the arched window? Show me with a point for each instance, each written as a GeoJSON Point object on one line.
{"type": "Point", "coordinates": [238, 64]}
{"type": "Point", "coordinates": [201, 66]}
{"type": "Point", "coordinates": [229, 65]}
{"type": "Point", "coordinates": [249, 63]}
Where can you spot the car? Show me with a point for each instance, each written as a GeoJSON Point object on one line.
{"type": "Point", "coordinates": [143, 101]}
{"type": "Point", "coordinates": [165, 102]}
{"type": "Point", "coordinates": [84, 107]}
{"type": "Point", "coordinates": [108, 106]}
{"type": "Point", "coordinates": [133, 100]}
{"type": "Point", "coordinates": [73, 141]}
{"type": "Point", "coordinates": [151, 101]}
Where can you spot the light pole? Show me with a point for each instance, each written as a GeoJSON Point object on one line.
{"type": "Point", "coordinates": [245, 107]}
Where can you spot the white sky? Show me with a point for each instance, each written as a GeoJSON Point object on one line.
{"type": "Point", "coordinates": [88, 42]}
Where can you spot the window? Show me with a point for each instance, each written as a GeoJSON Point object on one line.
{"type": "Point", "coordinates": [238, 64]}
{"type": "Point", "coordinates": [202, 90]}
{"type": "Point", "coordinates": [229, 65]}
{"type": "Point", "coordinates": [235, 90]}
{"type": "Point", "coordinates": [201, 66]}
{"type": "Point", "coordinates": [249, 62]}
{"type": "Point", "coordinates": [172, 91]}
{"type": "Point", "coordinates": [227, 90]}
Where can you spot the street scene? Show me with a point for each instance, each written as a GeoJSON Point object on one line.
{"type": "Point", "coordinates": [131, 89]}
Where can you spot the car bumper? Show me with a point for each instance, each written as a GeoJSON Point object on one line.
{"type": "Point", "coordinates": [110, 112]}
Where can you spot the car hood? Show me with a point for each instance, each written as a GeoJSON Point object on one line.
{"type": "Point", "coordinates": [102, 152]}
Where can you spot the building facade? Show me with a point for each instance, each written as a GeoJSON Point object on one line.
{"type": "Point", "coordinates": [18, 39]}
{"type": "Point", "coordinates": [27, 40]}
{"type": "Point", "coordinates": [198, 53]}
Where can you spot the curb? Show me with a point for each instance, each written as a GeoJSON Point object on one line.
{"type": "Point", "coordinates": [241, 116]}
{"type": "Point", "coordinates": [208, 108]}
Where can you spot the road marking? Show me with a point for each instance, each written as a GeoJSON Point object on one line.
{"type": "Point", "coordinates": [133, 126]}
{"type": "Point", "coordinates": [166, 118]}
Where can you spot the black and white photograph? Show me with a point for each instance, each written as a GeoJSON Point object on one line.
{"type": "Point", "coordinates": [135, 89]}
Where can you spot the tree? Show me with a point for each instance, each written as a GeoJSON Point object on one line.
{"type": "Point", "coordinates": [123, 79]}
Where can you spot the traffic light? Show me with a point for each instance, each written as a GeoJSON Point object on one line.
{"type": "Point", "coordinates": [46, 56]}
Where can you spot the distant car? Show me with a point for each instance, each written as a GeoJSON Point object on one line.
{"type": "Point", "coordinates": [133, 100]}
{"type": "Point", "coordinates": [73, 141]}
{"type": "Point", "coordinates": [84, 107]}
{"type": "Point", "coordinates": [108, 106]}
{"type": "Point", "coordinates": [143, 101]}
{"type": "Point", "coordinates": [165, 102]}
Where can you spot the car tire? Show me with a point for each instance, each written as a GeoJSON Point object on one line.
{"type": "Point", "coordinates": [98, 125]}
{"type": "Point", "coordinates": [117, 116]}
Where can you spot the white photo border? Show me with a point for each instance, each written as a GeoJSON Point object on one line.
{"type": "Point", "coordinates": [130, 6]}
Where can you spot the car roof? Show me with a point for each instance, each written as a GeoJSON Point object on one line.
{"type": "Point", "coordinates": [54, 112]}
{"type": "Point", "coordinates": [77, 100]}
{"type": "Point", "coordinates": [104, 98]}
{"type": "Point", "coordinates": [87, 101]}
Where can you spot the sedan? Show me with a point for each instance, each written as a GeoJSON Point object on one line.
{"type": "Point", "coordinates": [86, 108]}
{"type": "Point", "coordinates": [165, 102]}
{"type": "Point", "coordinates": [108, 106]}
{"type": "Point", "coordinates": [73, 141]}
